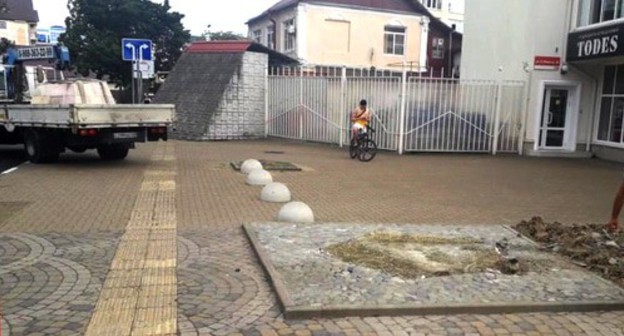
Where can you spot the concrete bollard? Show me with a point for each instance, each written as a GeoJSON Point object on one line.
{"type": "Point", "coordinates": [275, 193]}
{"type": "Point", "coordinates": [259, 177]}
{"type": "Point", "coordinates": [296, 212]}
{"type": "Point", "coordinates": [250, 165]}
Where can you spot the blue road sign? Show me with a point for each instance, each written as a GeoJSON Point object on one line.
{"type": "Point", "coordinates": [136, 49]}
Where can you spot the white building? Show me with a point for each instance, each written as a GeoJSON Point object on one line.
{"type": "Point", "coordinates": [571, 54]}
{"type": "Point", "coordinates": [50, 35]}
{"type": "Point", "coordinates": [450, 12]}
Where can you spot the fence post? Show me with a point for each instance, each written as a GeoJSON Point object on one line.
{"type": "Point", "coordinates": [300, 102]}
{"type": "Point", "coordinates": [403, 107]}
{"type": "Point", "coordinates": [525, 103]}
{"type": "Point", "coordinates": [343, 107]}
{"type": "Point", "coordinates": [499, 104]}
{"type": "Point", "coordinates": [266, 101]}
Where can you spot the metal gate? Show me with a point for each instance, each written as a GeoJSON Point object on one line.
{"type": "Point", "coordinates": [410, 113]}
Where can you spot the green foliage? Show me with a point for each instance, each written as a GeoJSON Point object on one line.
{"type": "Point", "coordinates": [95, 29]}
{"type": "Point", "coordinates": [218, 36]}
{"type": "Point", "coordinates": [6, 45]}
{"type": "Point", "coordinates": [225, 35]}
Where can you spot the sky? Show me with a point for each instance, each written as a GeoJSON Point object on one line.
{"type": "Point", "coordinates": [231, 15]}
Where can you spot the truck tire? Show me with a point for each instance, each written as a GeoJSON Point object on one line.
{"type": "Point", "coordinates": [37, 148]}
{"type": "Point", "coordinates": [113, 152]}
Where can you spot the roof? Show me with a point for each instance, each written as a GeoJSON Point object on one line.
{"type": "Point", "coordinates": [385, 5]}
{"type": "Point", "coordinates": [406, 6]}
{"type": "Point", "coordinates": [207, 47]}
{"type": "Point", "coordinates": [20, 10]}
{"type": "Point", "coordinates": [196, 86]}
{"type": "Point", "coordinates": [238, 46]}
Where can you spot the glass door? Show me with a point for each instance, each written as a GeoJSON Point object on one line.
{"type": "Point", "coordinates": [554, 117]}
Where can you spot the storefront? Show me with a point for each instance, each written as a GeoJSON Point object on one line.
{"type": "Point", "coordinates": [596, 47]}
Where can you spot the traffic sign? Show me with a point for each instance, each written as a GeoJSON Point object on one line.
{"type": "Point", "coordinates": [146, 68]}
{"type": "Point", "coordinates": [136, 49]}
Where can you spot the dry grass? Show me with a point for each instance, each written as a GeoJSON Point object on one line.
{"type": "Point", "coordinates": [389, 238]}
{"type": "Point", "coordinates": [375, 251]}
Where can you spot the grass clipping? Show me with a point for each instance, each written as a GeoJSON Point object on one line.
{"type": "Point", "coordinates": [415, 256]}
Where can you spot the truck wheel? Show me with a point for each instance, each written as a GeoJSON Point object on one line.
{"type": "Point", "coordinates": [113, 152]}
{"type": "Point", "coordinates": [36, 148]}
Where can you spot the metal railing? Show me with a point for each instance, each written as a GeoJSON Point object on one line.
{"type": "Point", "coordinates": [410, 112]}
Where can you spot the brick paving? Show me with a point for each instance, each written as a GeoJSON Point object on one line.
{"type": "Point", "coordinates": [221, 288]}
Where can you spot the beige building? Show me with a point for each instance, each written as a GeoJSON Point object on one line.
{"type": "Point", "coordinates": [19, 22]}
{"type": "Point", "coordinates": [353, 33]}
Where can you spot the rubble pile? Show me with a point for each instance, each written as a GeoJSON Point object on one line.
{"type": "Point", "coordinates": [590, 246]}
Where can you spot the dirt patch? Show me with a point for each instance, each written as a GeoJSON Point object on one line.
{"type": "Point", "coordinates": [590, 246]}
{"type": "Point", "coordinates": [418, 256]}
{"type": "Point", "coordinates": [9, 209]}
{"type": "Point", "coordinates": [269, 165]}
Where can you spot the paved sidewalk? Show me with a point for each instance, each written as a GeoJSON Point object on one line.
{"type": "Point", "coordinates": [60, 228]}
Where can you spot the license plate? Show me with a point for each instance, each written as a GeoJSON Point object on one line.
{"type": "Point", "coordinates": [126, 135]}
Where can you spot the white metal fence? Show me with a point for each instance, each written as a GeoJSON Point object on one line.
{"type": "Point", "coordinates": [410, 112]}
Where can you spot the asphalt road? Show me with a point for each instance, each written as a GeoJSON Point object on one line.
{"type": "Point", "coordinates": [11, 156]}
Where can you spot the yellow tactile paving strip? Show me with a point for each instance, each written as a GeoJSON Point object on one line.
{"type": "Point", "coordinates": [139, 294]}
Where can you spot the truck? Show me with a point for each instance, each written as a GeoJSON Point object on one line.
{"type": "Point", "coordinates": [50, 116]}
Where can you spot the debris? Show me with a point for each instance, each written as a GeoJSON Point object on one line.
{"type": "Point", "coordinates": [578, 263]}
{"type": "Point", "coordinates": [612, 244]}
{"type": "Point", "coordinates": [589, 245]}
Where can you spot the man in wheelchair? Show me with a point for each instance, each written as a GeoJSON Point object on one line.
{"type": "Point", "coordinates": [360, 117]}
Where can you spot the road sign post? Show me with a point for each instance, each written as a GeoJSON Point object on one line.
{"type": "Point", "coordinates": [136, 51]}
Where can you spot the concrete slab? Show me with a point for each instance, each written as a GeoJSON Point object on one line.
{"type": "Point", "coordinates": [311, 282]}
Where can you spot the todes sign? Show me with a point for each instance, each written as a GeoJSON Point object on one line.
{"type": "Point", "coordinates": [596, 43]}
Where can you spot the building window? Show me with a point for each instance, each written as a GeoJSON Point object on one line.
{"type": "Point", "coordinates": [432, 4]}
{"type": "Point", "coordinates": [612, 107]}
{"type": "Point", "coordinates": [3, 25]}
{"type": "Point", "coordinates": [437, 48]}
{"type": "Point", "coordinates": [270, 37]}
{"type": "Point", "coordinates": [596, 11]}
{"type": "Point", "coordinates": [289, 35]}
{"type": "Point", "coordinates": [257, 36]}
{"type": "Point", "coordinates": [394, 40]}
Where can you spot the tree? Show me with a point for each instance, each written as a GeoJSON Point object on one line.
{"type": "Point", "coordinates": [218, 36]}
{"type": "Point", "coordinates": [5, 45]}
{"type": "Point", "coordinates": [95, 29]}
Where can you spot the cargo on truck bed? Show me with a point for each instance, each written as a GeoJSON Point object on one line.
{"type": "Point", "coordinates": [78, 115]}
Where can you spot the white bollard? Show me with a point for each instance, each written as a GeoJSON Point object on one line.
{"type": "Point", "coordinates": [275, 193]}
{"type": "Point", "coordinates": [259, 177]}
{"type": "Point", "coordinates": [296, 212]}
{"type": "Point", "coordinates": [250, 165]}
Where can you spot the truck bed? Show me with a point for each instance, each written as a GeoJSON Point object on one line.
{"type": "Point", "coordinates": [87, 116]}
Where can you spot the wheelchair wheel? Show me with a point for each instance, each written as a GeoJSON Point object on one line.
{"type": "Point", "coordinates": [367, 150]}
{"type": "Point", "coordinates": [353, 150]}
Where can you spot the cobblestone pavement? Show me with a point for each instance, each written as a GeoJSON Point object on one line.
{"type": "Point", "coordinates": [76, 212]}
{"type": "Point", "coordinates": [49, 283]}
{"type": "Point", "coordinates": [417, 188]}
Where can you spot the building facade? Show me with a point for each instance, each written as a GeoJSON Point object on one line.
{"type": "Point", "coordinates": [50, 35]}
{"type": "Point", "coordinates": [571, 55]}
{"type": "Point", "coordinates": [19, 22]}
{"type": "Point", "coordinates": [357, 34]}
{"type": "Point", "coordinates": [450, 12]}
